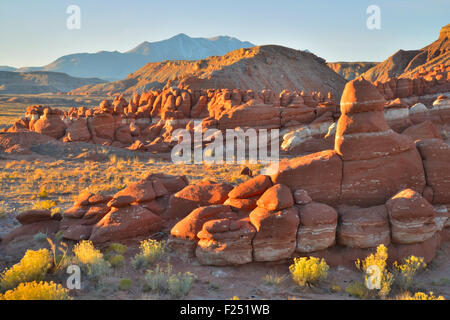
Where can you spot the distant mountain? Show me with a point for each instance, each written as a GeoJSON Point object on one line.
{"type": "Point", "coordinates": [409, 62]}
{"type": "Point", "coordinates": [265, 67]}
{"type": "Point", "coordinates": [7, 68]}
{"type": "Point", "coordinates": [40, 82]}
{"type": "Point", "coordinates": [351, 70]}
{"type": "Point", "coordinates": [116, 65]}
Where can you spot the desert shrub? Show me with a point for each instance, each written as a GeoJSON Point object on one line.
{"type": "Point", "coordinates": [357, 289]}
{"type": "Point", "coordinates": [117, 248]}
{"type": "Point", "coordinates": [404, 273]}
{"type": "Point", "coordinates": [91, 259]}
{"type": "Point", "coordinates": [335, 288]}
{"type": "Point", "coordinates": [163, 281]}
{"type": "Point", "coordinates": [125, 284]}
{"type": "Point", "coordinates": [375, 270]}
{"type": "Point", "coordinates": [37, 291]}
{"type": "Point", "coordinates": [419, 296]}
{"type": "Point", "coordinates": [308, 271]}
{"type": "Point", "coordinates": [32, 267]}
{"type": "Point", "coordinates": [151, 251]}
{"type": "Point", "coordinates": [59, 255]}
{"type": "Point", "coordinates": [273, 279]}
{"type": "Point", "coordinates": [116, 260]}
{"type": "Point", "coordinates": [45, 205]}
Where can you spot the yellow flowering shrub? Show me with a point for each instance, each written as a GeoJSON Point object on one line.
{"type": "Point", "coordinates": [374, 267]}
{"type": "Point", "coordinates": [307, 271]}
{"type": "Point", "coordinates": [86, 253]}
{"type": "Point", "coordinates": [33, 266]}
{"type": "Point", "coordinates": [91, 259]}
{"type": "Point", "coordinates": [419, 296]}
{"type": "Point", "coordinates": [150, 252]}
{"type": "Point", "coordinates": [37, 291]}
{"type": "Point", "coordinates": [405, 272]}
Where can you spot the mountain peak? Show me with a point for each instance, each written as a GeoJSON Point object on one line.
{"type": "Point", "coordinates": [180, 35]}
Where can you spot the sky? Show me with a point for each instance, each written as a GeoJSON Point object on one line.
{"type": "Point", "coordinates": [35, 33]}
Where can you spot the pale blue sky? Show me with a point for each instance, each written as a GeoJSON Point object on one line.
{"type": "Point", "coordinates": [34, 33]}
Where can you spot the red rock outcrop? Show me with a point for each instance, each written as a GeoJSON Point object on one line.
{"type": "Point", "coordinates": [317, 228]}
{"type": "Point", "coordinates": [363, 227]}
{"type": "Point", "coordinates": [377, 162]}
{"type": "Point", "coordinates": [412, 218]}
{"type": "Point", "coordinates": [201, 194]}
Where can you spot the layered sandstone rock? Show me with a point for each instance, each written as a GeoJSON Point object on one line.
{"type": "Point", "coordinates": [124, 223]}
{"type": "Point", "coordinates": [276, 223]}
{"type": "Point", "coordinates": [225, 242]}
{"type": "Point", "coordinates": [87, 210]}
{"type": "Point", "coordinates": [423, 130]}
{"type": "Point", "coordinates": [319, 174]}
{"type": "Point", "coordinates": [317, 228]}
{"type": "Point", "coordinates": [250, 188]}
{"type": "Point", "coordinates": [436, 157]}
{"type": "Point", "coordinates": [203, 193]}
{"type": "Point", "coordinates": [50, 124]}
{"type": "Point", "coordinates": [184, 233]}
{"type": "Point", "coordinates": [363, 227]}
{"type": "Point", "coordinates": [412, 218]}
{"type": "Point", "coordinates": [377, 162]}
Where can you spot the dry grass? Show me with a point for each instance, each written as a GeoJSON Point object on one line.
{"type": "Point", "coordinates": [24, 182]}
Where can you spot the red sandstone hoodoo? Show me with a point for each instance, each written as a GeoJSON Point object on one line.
{"type": "Point", "coordinates": [376, 186]}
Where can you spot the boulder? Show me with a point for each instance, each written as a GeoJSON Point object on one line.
{"type": "Point", "coordinates": [32, 216]}
{"type": "Point", "coordinates": [242, 205]}
{"type": "Point", "coordinates": [276, 233]}
{"type": "Point", "coordinates": [250, 188]}
{"type": "Point", "coordinates": [363, 227]}
{"type": "Point", "coordinates": [436, 159]}
{"type": "Point", "coordinates": [372, 182]}
{"type": "Point", "coordinates": [252, 115]}
{"type": "Point", "coordinates": [301, 197]}
{"type": "Point", "coordinates": [412, 218]}
{"type": "Point", "coordinates": [196, 195]}
{"type": "Point", "coordinates": [192, 224]}
{"type": "Point", "coordinates": [78, 131]}
{"type": "Point", "coordinates": [125, 223]}
{"type": "Point", "coordinates": [50, 125]}
{"type": "Point", "coordinates": [423, 130]}
{"type": "Point", "coordinates": [317, 228]}
{"type": "Point", "coordinates": [171, 183]}
{"type": "Point", "coordinates": [319, 174]}
{"type": "Point", "coordinates": [102, 125]}
{"type": "Point", "coordinates": [225, 242]}
{"type": "Point", "coordinates": [276, 198]}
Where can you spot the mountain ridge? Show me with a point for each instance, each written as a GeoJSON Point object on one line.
{"type": "Point", "coordinates": [115, 65]}
{"type": "Point", "coordinates": [247, 69]}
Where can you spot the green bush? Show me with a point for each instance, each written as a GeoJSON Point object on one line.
{"type": "Point", "coordinates": [125, 284]}
{"type": "Point", "coordinates": [165, 282]}
{"type": "Point", "coordinates": [357, 289]}
{"type": "Point", "coordinates": [151, 251]}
